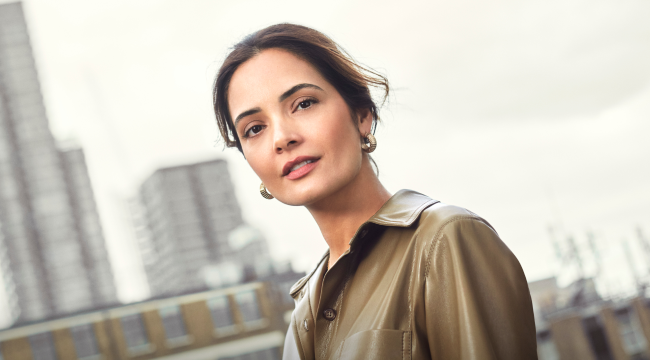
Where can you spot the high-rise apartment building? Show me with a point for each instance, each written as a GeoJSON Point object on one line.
{"type": "Point", "coordinates": [191, 232]}
{"type": "Point", "coordinates": [53, 259]}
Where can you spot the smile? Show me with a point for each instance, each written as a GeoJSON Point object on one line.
{"type": "Point", "coordinates": [299, 167]}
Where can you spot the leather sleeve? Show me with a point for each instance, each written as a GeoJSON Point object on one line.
{"type": "Point", "coordinates": [477, 303]}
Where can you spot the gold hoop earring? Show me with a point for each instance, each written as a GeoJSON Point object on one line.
{"type": "Point", "coordinates": [371, 145]}
{"type": "Point", "coordinates": [265, 192]}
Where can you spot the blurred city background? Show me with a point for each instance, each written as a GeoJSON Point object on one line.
{"type": "Point", "coordinates": [127, 231]}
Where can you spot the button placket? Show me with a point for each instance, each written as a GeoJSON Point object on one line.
{"type": "Point", "coordinates": [331, 297]}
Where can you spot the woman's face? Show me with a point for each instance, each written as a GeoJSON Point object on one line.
{"type": "Point", "coordinates": [296, 131]}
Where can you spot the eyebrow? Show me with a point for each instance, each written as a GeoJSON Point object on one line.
{"type": "Point", "coordinates": [296, 88]}
{"type": "Point", "coordinates": [246, 113]}
{"type": "Point", "coordinates": [282, 97]}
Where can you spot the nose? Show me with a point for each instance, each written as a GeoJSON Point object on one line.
{"type": "Point", "coordinates": [285, 136]}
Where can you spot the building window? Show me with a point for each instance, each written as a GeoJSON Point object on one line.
{"type": "Point", "coordinates": [546, 349]}
{"type": "Point", "coordinates": [42, 346]}
{"type": "Point", "coordinates": [221, 314]}
{"type": "Point", "coordinates": [135, 334]}
{"type": "Point", "coordinates": [630, 329]}
{"type": "Point", "coordinates": [597, 338]}
{"type": "Point", "coordinates": [172, 319]}
{"type": "Point", "coordinates": [248, 306]}
{"type": "Point", "coordinates": [266, 354]}
{"type": "Point", "coordinates": [285, 289]}
{"type": "Point", "coordinates": [85, 342]}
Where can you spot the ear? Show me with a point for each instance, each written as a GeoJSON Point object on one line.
{"type": "Point", "coordinates": [365, 121]}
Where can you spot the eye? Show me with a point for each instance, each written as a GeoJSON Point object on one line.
{"type": "Point", "coordinates": [305, 104]}
{"type": "Point", "coordinates": [254, 130]}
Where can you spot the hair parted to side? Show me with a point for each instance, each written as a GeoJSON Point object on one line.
{"type": "Point", "coordinates": [349, 78]}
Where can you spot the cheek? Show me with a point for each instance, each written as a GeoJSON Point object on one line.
{"type": "Point", "coordinates": [260, 163]}
{"type": "Point", "coordinates": [339, 138]}
{"type": "Point", "coordinates": [342, 134]}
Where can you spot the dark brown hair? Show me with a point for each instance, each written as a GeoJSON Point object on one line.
{"type": "Point", "coordinates": [349, 78]}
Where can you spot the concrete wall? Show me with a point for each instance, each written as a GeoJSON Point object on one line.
{"type": "Point", "coordinates": [570, 339]}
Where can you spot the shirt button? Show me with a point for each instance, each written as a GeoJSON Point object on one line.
{"type": "Point", "coordinates": [329, 314]}
{"type": "Point", "coordinates": [306, 325]}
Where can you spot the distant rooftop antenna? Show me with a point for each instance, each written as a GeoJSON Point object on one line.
{"type": "Point", "coordinates": [645, 245]}
{"type": "Point", "coordinates": [575, 255]}
{"type": "Point", "coordinates": [630, 262]}
{"type": "Point", "coordinates": [598, 260]}
{"type": "Point", "coordinates": [570, 256]}
{"type": "Point", "coordinates": [596, 254]}
{"type": "Point", "coordinates": [556, 245]}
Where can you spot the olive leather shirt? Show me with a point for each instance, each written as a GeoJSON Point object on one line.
{"type": "Point", "coordinates": [421, 280]}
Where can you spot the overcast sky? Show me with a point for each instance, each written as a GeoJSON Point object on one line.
{"type": "Point", "coordinates": [528, 113]}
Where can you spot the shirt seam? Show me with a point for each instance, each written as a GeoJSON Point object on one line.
{"type": "Point", "coordinates": [311, 310]}
{"type": "Point", "coordinates": [438, 236]}
{"type": "Point", "coordinates": [296, 336]}
{"type": "Point", "coordinates": [410, 297]}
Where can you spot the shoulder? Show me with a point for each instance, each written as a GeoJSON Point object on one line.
{"type": "Point", "coordinates": [457, 235]}
{"type": "Point", "coordinates": [442, 217]}
{"type": "Point", "coordinates": [468, 272]}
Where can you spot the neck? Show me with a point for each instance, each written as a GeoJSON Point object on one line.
{"type": "Point", "coordinates": [340, 214]}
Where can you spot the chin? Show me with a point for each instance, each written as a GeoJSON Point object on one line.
{"type": "Point", "coordinates": [299, 197]}
{"type": "Point", "coordinates": [310, 193]}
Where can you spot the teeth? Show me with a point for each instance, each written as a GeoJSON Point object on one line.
{"type": "Point", "coordinates": [299, 165]}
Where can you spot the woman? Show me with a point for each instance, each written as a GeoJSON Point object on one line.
{"type": "Point", "coordinates": [405, 277]}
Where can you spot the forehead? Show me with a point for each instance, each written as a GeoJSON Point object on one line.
{"type": "Point", "coordinates": [267, 75]}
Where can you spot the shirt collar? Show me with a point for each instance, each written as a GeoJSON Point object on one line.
{"type": "Point", "coordinates": [402, 209]}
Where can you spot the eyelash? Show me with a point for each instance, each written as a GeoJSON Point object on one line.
{"type": "Point", "coordinates": [311, 100]}
{"type": "Point", "coordinates": [251, 128]}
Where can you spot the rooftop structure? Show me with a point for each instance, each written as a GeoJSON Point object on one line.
{"type": "Point", "coordinates": [575, 322]}
{"type": "Point", "coordinates": [241, 322]}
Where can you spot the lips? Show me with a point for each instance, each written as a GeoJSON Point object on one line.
{"type": "Point", "coordinates": [299, 166]}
